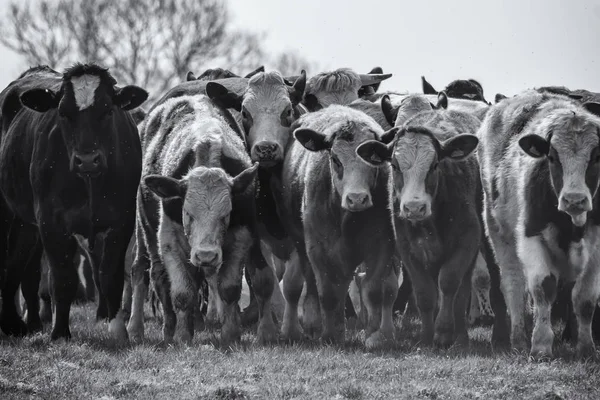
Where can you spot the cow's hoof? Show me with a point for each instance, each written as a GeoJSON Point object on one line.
{"type": "Point", "coordinates": [267, 333]}
{"type": "Point", "coordinates": [291, 333]}
{"type": "Point", "coordinates": [59, 335]}
{"type": "Point", "coordinates": [541, 353]}
{"type": "Point", "coordinates": [586, 351]}
{"type": "Point", "coordinates": [443, 340]}
{"type": "Point", "coordinates": [34, 325]}
{"type": "Point", "coordinates": [231, 335]}
{"type": "Point", "coordinates": [333, 338]}
{"type": "Point", "coordinates": [136, 332]}
{"type": "Point", "coordinates": [520, 344]}
{"type": "Point", "coordinates": [462, 340]}
{"type": "Point", "coordinates": [378, 340]}
{"type": "Point", "coordinates": [13, 327]}
{"type": "Point", "coordinates": [116, 328]}
{"type": "Point", "coordinates": [185, 337]}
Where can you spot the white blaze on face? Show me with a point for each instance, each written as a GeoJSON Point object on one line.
{"type": "Point", "coordinates": [84, 89]}
{"type": "Point", "coordinates": [414, 154]}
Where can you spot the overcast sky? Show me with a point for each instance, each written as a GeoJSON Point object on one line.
{"type": "Point", "coordinates": [507, 45]}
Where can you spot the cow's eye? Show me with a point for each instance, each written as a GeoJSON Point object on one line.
{"type": "Point", "coordinates": [551, 159]}
{"type": "Point", "coordinates": [336, 161]}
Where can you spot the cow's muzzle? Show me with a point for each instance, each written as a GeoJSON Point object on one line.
{"type": "Point", "coordinates": [89, 163]}
{"type": "Point", "coordinates": [576, 204]}
{"type": "Point", "coordinates": [267, 153]}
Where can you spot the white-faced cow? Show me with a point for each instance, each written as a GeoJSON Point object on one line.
{"type": "Point", "coordinates": [197, 164]}
{"type": "Point", "coordinates": [540, 167]}
{"type": "Point", "coordinates": [337, 210]}
{"type": "Point", "coordinates": [437, 224]}
{"type": "Point", "coordinates": [77, 152]}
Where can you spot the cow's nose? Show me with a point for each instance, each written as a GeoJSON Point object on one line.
{"type": "Point", "coordinates": [207, 257]}
{"type": "Point", "coordinates": [266, 151]}
{"type": "Point", "coordinates": [88, 163]}
{"type": "Point", "coordinates": [358, 201]}
{"type": "Point", "coordinates": [415, 209]}
{"type": "Point", "coordinates": [575, 200]}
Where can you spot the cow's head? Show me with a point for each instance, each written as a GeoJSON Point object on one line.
{"type": "Point", "coordinates": [417, 157]}
{"type": "Point", "coordinates": [86, 102]}
{"type": "Point", "coordinates": [268, 107]}
{"type": "Point", "coordinates": [468, 89]}
{"type": "Point", "coordinates": [341, 86]}
{"type": "Point", "coordinates": [410, 106]}
{"type": "Point", "coordinates": [352, 179]}
{"type": "Point", "coordinates": [207, 192]}
{"type": "Point", "coordinates": [570, 146]}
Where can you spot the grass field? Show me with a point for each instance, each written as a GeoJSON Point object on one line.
{"type": "Point", "coordinates": [92, 366]}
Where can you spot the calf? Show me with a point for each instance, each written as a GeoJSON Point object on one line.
{"type": "Point", "coordinates": [540, 162]}
{"type": "Point", "coordinates": [78, 152]}
{"type": "Point", "coordinates": [204, 224]}
{"type": "Point", "coordinates": [437, 225]}
{"type": "Point", "coordinates": [337, 210]}
{"type": "Point", "coordinates": [468, 89]}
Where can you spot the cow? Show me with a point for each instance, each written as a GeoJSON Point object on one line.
{"type": "Point", "coordinates": [73, 138]}
{"type": "Point", "coordinates": [204, 224]}
{"type": "Point", "coordinates": [436, 214]}
{"type": "Point", "coordinates": [337, 210]}
{"type": "Point", "coordinates": [468, 89]}
{"type": "Point", "coordinates": [539, 157]}
{"type": "Point", "coordinates": [213, 74]}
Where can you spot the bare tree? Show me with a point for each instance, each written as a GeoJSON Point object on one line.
{"type": "Point", "coordinates": [291, 63]}
{"type": "Point", "coordinates": [151, 43]}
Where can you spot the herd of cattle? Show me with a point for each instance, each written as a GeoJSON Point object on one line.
{"type": "Point", "coordinates": [355, 199]}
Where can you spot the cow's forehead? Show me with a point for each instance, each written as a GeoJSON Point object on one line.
{"type": "Point", "coordinates": [573, 134]}
{"type": "Point", "coordinates": [414, 150]}
{"type": "Point", "coordinates": [208, 189]}
{"type": "Point", "coordinates": [84, 90]}
{"type": "Point", "coordinates": [266, 91]}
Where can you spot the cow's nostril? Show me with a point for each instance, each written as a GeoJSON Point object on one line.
{"type": "Point", "coordinates": [78, 161]}
{"type": "Point", "coordinates": [96, 160]}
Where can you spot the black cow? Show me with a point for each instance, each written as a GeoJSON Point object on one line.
{"type": "Point", "coordinates": [438, 226]}
{"type": "Point", "coordinates": [213, 74]}
{"type": "Point", "coordinates": [468, 89]}
{"type": "Point", "coordinates": [77, 152]}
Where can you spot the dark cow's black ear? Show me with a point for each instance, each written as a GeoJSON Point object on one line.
{"type": "Point", "coordinates": [390, 135]}
{"type": "Point", "coordinates": [374, 152]}
{"type": "Point", "coordinates": [575, 96]}
{"type": "Point", "coordinates": [130, 97]}
{"type": "Point", "coordinates": [371, 89]}
{"type": "Point", "coordinates": [244, 179]}
{"type": "Point", "coordinates": [190, 76]}
{"type": "Point", "coordinates": [312, 140]}
{"type": "Point", "coordinates": [40, 100]}
{"type": "Point", "coordinates": [297, 90]}
{"type": "Point", "coordinates": [256, 71]}
{"type": "Point", "coordinates": [165, 187]}
{"type": "Point", "coordinates": [223, 96]}
{"type": "Point", "coordinates": [442, 102]}
{"type": "Point", "coordinates": [592, 107]}
{"type": "Point", "coordinates": [389, 112]}
{"type": "Point", "coordinates": [312, 103]}
{"type": "Point", "coordinates": [499, 97]}
{"type": "Point", "coordinates": [535, 146]}
{"type": "Point", "coordinates": [459, 147]}
{"type": "Point", "coordinates": [427, 88]}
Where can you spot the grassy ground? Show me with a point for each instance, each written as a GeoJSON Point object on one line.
{"type": "Point", "coordinates": [91, 366]}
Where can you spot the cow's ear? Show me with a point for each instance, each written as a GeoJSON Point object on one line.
{"type": "Point", "coordinates": [244, 179]}
{"type": "Point", "coordinates": [130, 97]}
{"type": "Point", "coordinates": [256, 71]}
{"type": "Point", "coordinates": [40, 100]}
{"type": "Point", "coordinates": [312, 103]}
{"type": "Point", "coordinates": [389, 112]}
{"type": "Point", "coordinates": [223, 96]}
{"type": "Point", "coordinates": [190, 76]}
{"type": "Point", "coordinates": [499, 97]}
{"type": "Point", "coordinates": [390, 135]}
{"type": "Point", "coordinates": [297, 90]}
{"type": "Point", "coordinates": [535, 146]}
{"type": "Point", "coordinates": [312, 140]}
{"type": "Point", "coordinates": [165, 187]}
{"type": "Point", "coordinates": [374, 152]}
{"type": "Point", "coordinates": [592, 107]}
{"type": "Point", "coordinates": [442, 102]}
{"type": "Point", "coordinates": [459, 147]}
{"type": "Point", "coordinates": [427, 88]}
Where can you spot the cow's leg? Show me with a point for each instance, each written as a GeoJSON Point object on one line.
{"type": "Point", "coordinates": [379, 291]}
{"type": "Point", "coordinates": [450, 279]}
{"type": "Point", "coordinates": [60, 249]}
{"type": "Point", "coordinates": [112, 274]}
{"type": "Point", "coordinates": [311, 308]}
{"type": "Point", "coordinates": [585, 296]}
{"type": "Point", "coordinates": [44, 291]}
{"type": "Point", "coordinates": [90, 287]}
{"type": "Point", "coordinates": [512, 284]}
{"type": "Point", "coordinates": [426, 295]}
{"type": "Point", "coordinates": [542, 283]}
{"type": "Point", "coordinates": [293, 280]}
{"type": "Point", "coordinates": [162, 288]}
{"type": "Point", "coordinates": [263, 281]}
{"type": "Point", "coordinates": [214, 309]}
{"type": "Point", "coordinates": [140, 279]}
{"type": "Point", "coordinates": [30, 284]}
{"type": "Point", "coordinates": [460, 310]}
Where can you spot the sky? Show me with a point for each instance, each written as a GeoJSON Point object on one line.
{"type": "Point", "coordinates": [507, 45]}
